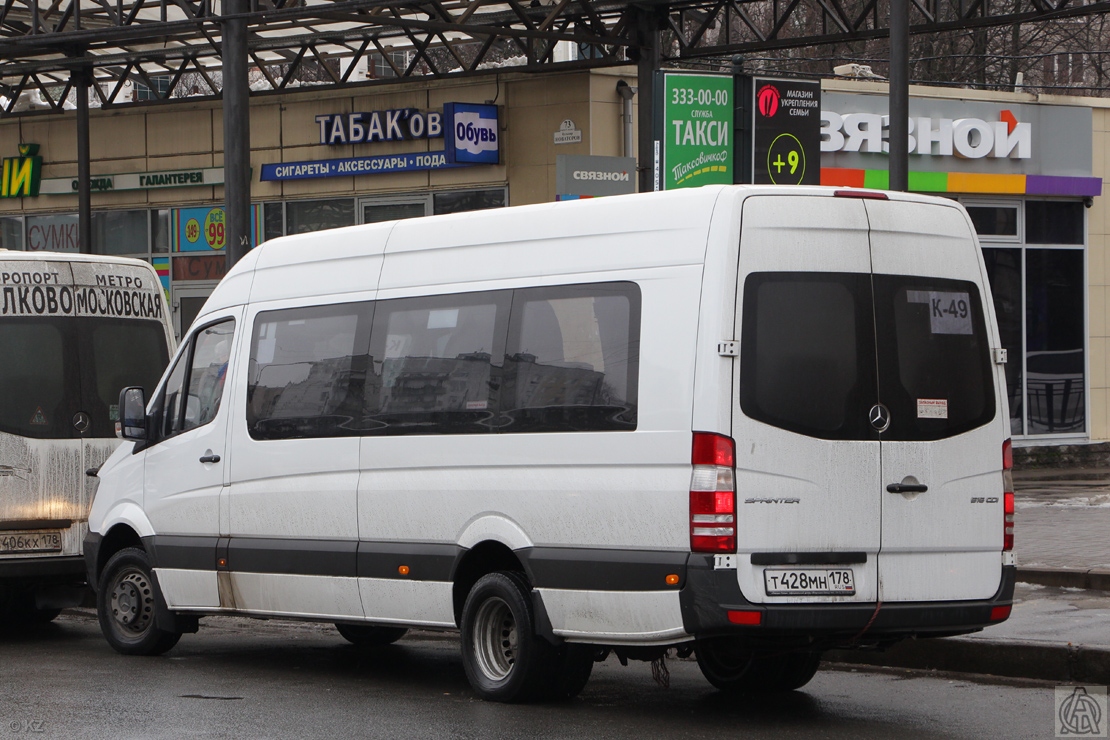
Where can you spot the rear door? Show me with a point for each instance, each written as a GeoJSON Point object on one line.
{"type": "Point", "coordinates": [807, 461]}
{"type": "Point", "coordinates": [942, 452]}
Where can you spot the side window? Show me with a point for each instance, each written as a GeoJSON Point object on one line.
{"type": "Point", "coordinates": [195, 386]}
{"type": "Point", "coordinates": [207, 373]}
{"type": "Point", "coordinates": [433, 361]}
{"type": "Point", "coordinates": [807, 353]}
{"type": "Point", "coordinates": [172, 398]}
{"type": "Point", "coordinates": [308, 371]}
{"type": "Point", "coordinates": [573, 357]}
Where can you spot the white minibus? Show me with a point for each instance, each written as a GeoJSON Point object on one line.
{"type": "Point", "coordinates": [752, 423]}
{"type": "Point", "coordinates": [74, 330]}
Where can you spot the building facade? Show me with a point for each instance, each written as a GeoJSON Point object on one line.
{"type": "Point", "coordinates": [1030, 169]}
{"type": "Point", "coordinates": [320, 159]}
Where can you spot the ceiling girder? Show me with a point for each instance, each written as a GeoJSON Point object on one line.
{"type": "Point", "coordinates": [293, 44]}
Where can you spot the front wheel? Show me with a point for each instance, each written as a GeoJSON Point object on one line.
{"type": "Point", "coordinates": [503, 658]}
{"type": "Point", "coordinates": [125, 604]}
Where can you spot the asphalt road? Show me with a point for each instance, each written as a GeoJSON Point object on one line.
{"type": "Point", "coordinates": [240, 678]}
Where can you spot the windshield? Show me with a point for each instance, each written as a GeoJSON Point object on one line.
{"type": "Point", "coordinates": [52, 368]}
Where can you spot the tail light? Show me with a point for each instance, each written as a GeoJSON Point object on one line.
{"type": "Point", "coordinates": [1007, 495]}
{"type": "Point", "coordinates": [713, 494]}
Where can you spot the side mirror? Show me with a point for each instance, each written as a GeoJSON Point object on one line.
{"type": "Point", "coordinates": [132, 414]}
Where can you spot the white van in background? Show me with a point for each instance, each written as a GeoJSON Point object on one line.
{"type": "Point", "coordinates": [74, 330]}
{"type": "Point", "coordinates": [755, 422]}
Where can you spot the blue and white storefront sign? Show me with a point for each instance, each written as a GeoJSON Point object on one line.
{"type": "Point", "coordinates": [471, 133]}
{"type": "Point", "coordinates": [380, 165]}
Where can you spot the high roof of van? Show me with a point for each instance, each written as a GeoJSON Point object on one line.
{"type": "Point", "coordinates": [12, 255]}
{"type": "Point", "coordinates": [543, 241]}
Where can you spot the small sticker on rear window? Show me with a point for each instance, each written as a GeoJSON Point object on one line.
{"type": "Point", "coordinates": [949, 313]}
{"type": "Point", "coordinates": [932, 408]}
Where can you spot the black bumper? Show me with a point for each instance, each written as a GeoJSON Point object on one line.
{"type": "Point", "coordinates": [52, 569]}
{"type": "Point", "coordinates": [709, 595]}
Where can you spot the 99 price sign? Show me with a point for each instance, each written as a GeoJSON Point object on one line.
{"type": "Point", "coordinates": [202, 229]}
{"type": "Point", "coordinates": [786, 132]}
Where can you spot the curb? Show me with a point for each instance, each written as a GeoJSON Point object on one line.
{"type": "Point", "coordinates": [1012, 659]}
{"type": "Point", "coordinates": [1097, 579]}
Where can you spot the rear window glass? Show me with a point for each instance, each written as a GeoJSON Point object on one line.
{"type": "Point", "coordinates": [818, 350]}
{"type": "Point", "coordinates": [804, 357]}
{"type": "Point", "coordinates": [935, 374]}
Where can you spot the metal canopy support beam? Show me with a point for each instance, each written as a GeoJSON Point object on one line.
{"type": "Point", "coordinates": [81, 79]}
{"type": "Point", "coordinates": [899, 95]}
{"type": "Point", "coordinates": [237, 132]}
{"type": "Point", "coordinates": [647, 33]}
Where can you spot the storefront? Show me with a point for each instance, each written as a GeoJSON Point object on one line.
{"type": "Point", "coordinates": [321, 159]}
{"type": "Point", "coordinates": [1030, 172]}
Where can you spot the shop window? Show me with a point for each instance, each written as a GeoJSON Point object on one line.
{"type": "Point", "coordinates": [994, 223]}
{"type": "Point", "coordinates": [303, 216]}
{"type": "Point", "coordinates": [1004, 273]}
{"type": "Point", "coordinates": [468, 200]}
{"type": "Point", "coordinates": [1054, 341]}
{"type": "Point", "coordinates": [273, 221]}
{"type": "Point", "coordinates": [160, 230]}
{"type": "Point", "coordinates": [1054, 222]}
{"type": "Point", "coordinates": [54, 233]}
{"type": "Point", "coordinates": [11, 232]}
{"type": "Point", "coordinates": [120, 232]}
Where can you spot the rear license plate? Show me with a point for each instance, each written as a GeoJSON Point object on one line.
{"type": "Point", "coordinates": [17, 542]}
{"type": "Point", "coordinates": [809, 582]}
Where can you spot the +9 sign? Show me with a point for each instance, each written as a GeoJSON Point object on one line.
{"type": "Point", "coordinates": [787, 132]}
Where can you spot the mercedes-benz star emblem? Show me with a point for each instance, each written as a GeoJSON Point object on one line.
{"type": "Point", "coordinates": [81, 421]}
{"type": "Point", "coordinates": [879, 416]}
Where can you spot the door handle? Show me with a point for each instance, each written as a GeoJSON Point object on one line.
{"type": "Point", "coordinates": [907, 488]}
{"type": "Point", "coordinates": [210, 458]}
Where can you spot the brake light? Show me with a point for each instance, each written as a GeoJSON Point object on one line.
{"type": "Point", "coordinates": [1007, 496]}
{"type": "Point", "coordinates": [868, 194]}
{"type": "Point", "coordinates": [713, 494]}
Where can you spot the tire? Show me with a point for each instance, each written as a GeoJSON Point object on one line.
{"type": "Point", "coordinates": [365, 635]}
{"type": "Point", "coordinates": [732, 667]}
{"type": "Point", "coordinates": [800, 670]}
{"type": "Point", "coordinates": [126, 603]}
{"type": "Point", "coordinates": [574, 665]}
{"type": "Point", "coordinates": [504, 659]}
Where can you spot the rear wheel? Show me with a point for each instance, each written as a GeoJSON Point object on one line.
{"type": "Point", "coordinates": [732, 666]}
{"type": "Point", "coordinates": [126, 602]}
{"type": "Point", "coordinates": [503, 658]}
{"type": "Point", "coordinates": [365, 635]}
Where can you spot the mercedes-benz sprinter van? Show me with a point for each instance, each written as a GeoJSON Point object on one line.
{"type": "Point", "coordinates": [752, 422]}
